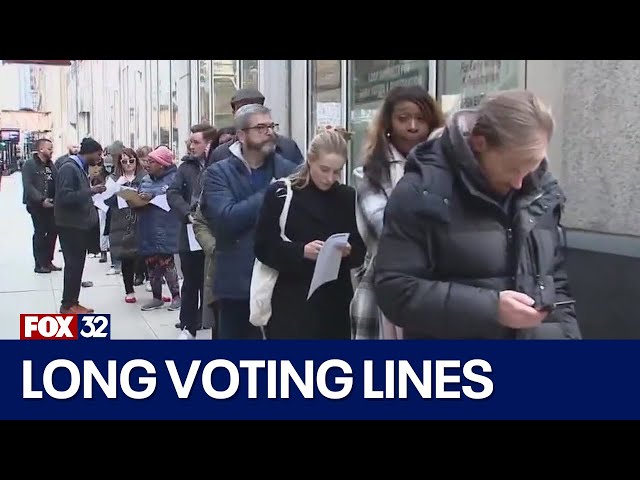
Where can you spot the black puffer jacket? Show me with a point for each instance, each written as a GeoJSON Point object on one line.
{"type": "Point", "coordinates": [448, 249]}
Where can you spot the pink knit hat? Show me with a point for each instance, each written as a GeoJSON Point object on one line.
{"type": "Point", "coordinates": [163, 156]}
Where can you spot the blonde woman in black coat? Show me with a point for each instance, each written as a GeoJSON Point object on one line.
{"type": "Point", "coordinates": [320, 207]}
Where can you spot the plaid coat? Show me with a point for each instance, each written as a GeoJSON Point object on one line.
{"type": "Point", "coordinates": [367, 321]}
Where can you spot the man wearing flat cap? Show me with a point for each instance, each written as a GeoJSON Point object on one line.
{"type": "Point", "coordinates": [75, 217]}
{"type": "Point", "coordinates": [285, 146]}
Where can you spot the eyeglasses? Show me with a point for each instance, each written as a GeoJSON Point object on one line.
{"type": "Point", "coordinates": [130, 161]}
{"type": "Point", "coordinates": [263, 129]}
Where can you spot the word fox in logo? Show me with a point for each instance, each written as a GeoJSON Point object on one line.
{"type": "Point", "coordinates": [64, 327]}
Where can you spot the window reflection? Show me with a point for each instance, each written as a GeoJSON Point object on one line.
{"type": "Point", "coordinates": [464, 83]}
{"type": "Point", "coordinates": [180, 106]}
{"type": "Point", "coordinates": [369, 82]}
{"type": "Point", "coordinates": [164, 102]}
{"type": "Point", "coordinates": [225, 84]}
{"type": "Point", "coordinates": [250, 74]}
{"type": "Point", "coordinates": [325, 100]}
{"type": "Point", "coordinates": [204, 81]}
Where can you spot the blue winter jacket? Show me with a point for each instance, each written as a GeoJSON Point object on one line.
{"type": "Point", "coordinates": [231, 206]}
{"type": "Point", "coordinates": [158, 231]}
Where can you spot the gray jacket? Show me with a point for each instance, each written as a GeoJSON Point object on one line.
{"type": "Point", "coordinates": [73, 202]}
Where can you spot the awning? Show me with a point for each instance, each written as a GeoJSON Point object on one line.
{"type": "Point", "coordinates": [40, 62]}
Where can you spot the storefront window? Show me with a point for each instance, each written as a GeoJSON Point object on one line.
{"type": "Point", "coordinates": [154, 103]}
{"type": "Point", "coordinates": [164, 102]}
{"type": "Point", "coordinates": [204, 99]}
{"type": "Point", "coordinates": [464, 83]}
{"type": "Point", "coordinates": [369, 82]}
{"type": "Point", "coordinates": [250, 74]}
{"type": "Point", "coordinates": [225, 84]}
{"type": "Point", "coordinates": [325, 94]}
{"type": "Point", "coordinates": [180, 106]}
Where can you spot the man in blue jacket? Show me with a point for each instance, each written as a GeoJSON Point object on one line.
{"type": "Point", "coordinates": [233, 190]}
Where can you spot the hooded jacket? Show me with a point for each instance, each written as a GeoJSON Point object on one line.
{"type": "Point", "coordinates": [448, 248]}
{"type": "Point", "coordinates": [230, 204]}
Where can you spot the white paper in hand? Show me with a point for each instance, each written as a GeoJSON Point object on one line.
{"type": "Point", "coordinates": [98, 201]}
{"type": "Point", "coordinates": [122, 203]}
{"type": "Point", "coordinates": [328, 262]}
{"type": "Point", "coordinates": [161, 202]}
{"type": "Point", "coordinates": [193, 243]}
{"type": "Point", "coordinates": [111, 189]}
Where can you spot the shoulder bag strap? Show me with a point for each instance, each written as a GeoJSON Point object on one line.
{"type": "Point", "coordinates": [285, 209]}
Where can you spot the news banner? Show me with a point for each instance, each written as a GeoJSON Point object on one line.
{"type": "Point", "coordinates": [68, 367]}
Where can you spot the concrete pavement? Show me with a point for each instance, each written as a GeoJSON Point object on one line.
{"type": "Point", "coordinates": [23, 291]}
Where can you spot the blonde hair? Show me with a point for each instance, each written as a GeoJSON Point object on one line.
{"type": "Point", "coordinates": [514, 119]}
{"type": "Point", "coordinates": [328, 140]}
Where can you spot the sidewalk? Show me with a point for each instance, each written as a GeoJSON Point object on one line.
{"type": "Point", "coordinates": [23, 291]}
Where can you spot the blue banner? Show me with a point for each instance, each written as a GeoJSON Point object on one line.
{"type": "Point", "coordinates": [319, 380]}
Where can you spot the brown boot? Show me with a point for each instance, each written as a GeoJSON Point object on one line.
{"type": "Point", "coordinates": [83, 310]}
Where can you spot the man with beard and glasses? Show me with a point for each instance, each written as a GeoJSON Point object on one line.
{"type": "Point", "coordinates": [233, 190]}
{"type": "Point", "coordinates": [39, 188]}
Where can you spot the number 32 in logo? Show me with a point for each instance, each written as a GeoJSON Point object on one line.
{"type": "Point", "coordinates": [95, 326]}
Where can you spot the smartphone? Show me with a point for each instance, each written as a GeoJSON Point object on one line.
{"type": "Point", "coordinates": [562, 304]}
{"type": "Point", "coordinates": [555, 305]}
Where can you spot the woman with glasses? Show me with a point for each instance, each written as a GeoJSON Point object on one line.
{"type": "Point", "coordinates": [122, 232]}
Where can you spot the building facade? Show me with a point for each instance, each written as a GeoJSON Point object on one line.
{"type": "Point", "coordinates": [593, 152]}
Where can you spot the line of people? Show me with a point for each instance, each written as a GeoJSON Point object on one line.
{"type": "Point", "coordinates": [454, 225]}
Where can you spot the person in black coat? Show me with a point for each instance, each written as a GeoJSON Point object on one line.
{"type": "Point", "coordinates": [76, 218]}
{"type": "Point", "coordinates": [320, 207]}
{"type": "Point", "coordinates": [286, 147]}
{"type": "Point", "coordinates": [39, 189]}
{"type": "Point", "coordinates": [122, 219]}
{"type": "Point", "coordinates": [471, 246]}
{"type": "Point", "coordinates": [183, 195]}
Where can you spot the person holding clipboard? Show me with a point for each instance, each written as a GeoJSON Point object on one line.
{"type": "Point", "coordinates": [157, 229]}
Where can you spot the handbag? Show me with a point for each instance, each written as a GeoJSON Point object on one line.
{"type": "Point", "coordinates": [263, 278]}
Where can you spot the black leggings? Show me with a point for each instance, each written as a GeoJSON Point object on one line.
{"type": "Point", "coordinates": [141, 268]}
{"type": "Point", "coordinates": [128, 267]}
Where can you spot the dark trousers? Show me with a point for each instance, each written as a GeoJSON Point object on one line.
{"type": "Point", "coordinates": [44, 235]}
{"type": "Point", "coordinates": [234, 321]}
{"type": "Point", "coordinates": [128, 269]}
{"type": "Point", "coordinates": [74, 243]}
{"type": "Point", "coordinates": [192, 264]}
{"type": "Point", "coordinates": [215, 306]}
{"type": "Point", "coordinates": [141, 268]}
{"type": "Point", "coordinates": [93, 240]}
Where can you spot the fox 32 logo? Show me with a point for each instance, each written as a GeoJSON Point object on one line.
{"type": "Point", "coordinates": [61, 326]}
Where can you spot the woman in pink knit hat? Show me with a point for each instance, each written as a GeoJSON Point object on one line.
{"type": "Point", "coordinates": [158, 229]}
